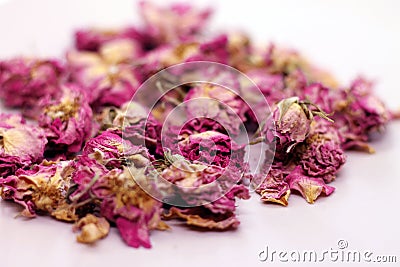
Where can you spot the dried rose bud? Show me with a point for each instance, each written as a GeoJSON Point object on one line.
{"type": "Point", "coordinates": [21, 144]}
{"type": "Point", "coordinates": [271, 85]}
{"type": "Point", "coordinates": [212, 148]}
{"type": "Point", "coordinates": [108, 76]}
{"type": "Point", "coordinates": [92, 39]}
{"type": "Point", "coordinates": [142, 131]}
{"type": "Point", "coordinates": [292, 124]}
{"type": "Point", "coordinates": [321, 155]}
{"type": "Point", "coordinates": [42, 188]}
{"type": "Point", "coordinates": [215, 50]}
{"type": "Point", "coordinates": [132, 124]}
{"type": "Point", "coordinates": [287, 61]}
{"type": "Point", "coordinates": [281, 60]}
{"type": "Point", "coordinates": [219, 213]}
{"type": "Point", "coordinates": [295, 83]}
{"type": "Point", "coordinates": [224, 106]}
{"type": "Point", "coordinates": [179, 22]}
{"type": "Point", "coordinates": [24, 81]}
{"type": "Point", "coordinates": [67, 119]}
{"type": "Point", "coordinates": [112, 151]}
{"type": "Point", "coordinates": [200, 125]}
{"type": "Point", "coordinates": [360, 114]}
{"type": "Point", "coordinates": [239, 49]}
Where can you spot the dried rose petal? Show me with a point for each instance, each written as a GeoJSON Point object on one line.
{"type": "Point", "coordinates": [212, 148]}
{"type": "Point", "coordinates": [125, 203]}
{"type": "Point", "coordinates": [322, 155]}
{"type": "Point", "coordinates": [198, 217]}
{"type": "Point", "coordinates": [271, 85]}
{"type": "Point", "coordinates": [200, 125]}
{"type": "Point", "coordinates": [112, 151]}
{"type": "Point", "coordinates": [67, 119]}
{"type": "Point", "coordinates": [224, 106]}
{"type": "Point", "coordinates": [360, 114]}
{"type": "Point", "coordinates": [92, 39]}
{"type": "Point", "coordinates": [219, 213]}
{"type": "Point", "coordinates": [119, 199]}
{"type": "Point", "coordinates": [310, 188]}
{"type": "Point", "coordinates": [274, 188]}
{"type": "Point", "coordinates": [108, 76]}
{"type": "Point", "coordinates": [215, 50]}
{"type": "Point", "coordinates": [179, 22]}
{"type": "Point", "coordinates": [21, 144]}
{"type": "Point", "coordinates": [24, 81]}
{"type": "Point", "coordinates": [42, 188]}
{"type": "Point", "coordinates": [87, 172]}
{"type": "Point", "coordinates": [92, 229]}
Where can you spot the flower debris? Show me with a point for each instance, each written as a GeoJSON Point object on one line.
{"type": "Point", "coordinates": [75, 153]}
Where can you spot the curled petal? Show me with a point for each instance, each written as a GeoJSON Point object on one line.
{"type": "Point", "coordinates": [192, 218]}
{"type": "Point", "coordinates": [67, 119]}
{"type": "Point", "coordinates": [92, 229]}
{"type": "Point", "coordinates": [24, 81]}
{"type": "Point", "coordinates": [21, 144]}
{"type": "Point", "coordinates": [310, 188]}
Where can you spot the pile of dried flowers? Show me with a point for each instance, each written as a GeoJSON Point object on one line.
{"type": "Point", "coordinates": [74, 153]}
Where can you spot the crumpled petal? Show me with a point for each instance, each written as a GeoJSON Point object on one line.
{"type": "Point", "coordinates": [309, 187]}
{"type": "Point", "coordinates": [120, 200]}
{"type": "Point", "coordinates": [360, 114]}
{"type": "Point", "coordinates": [92, 229]}
{"type": "Point", "coordinates": [219, 210]}
{"type": "Point", "coordinates": [42, 188]}
{"type": "Point", "coordinates": [24, 81]}
{"type": "Point", "coordinates": [210, 147]}
{"type": "Point", "coordinates": [67, 119]}
{"type": "Point", "coordinates": [108, 76]}
{"type": "Point", "coordinates": [224, 106]}
{"type": "Point", "coordinates": [21, 144]}
{"type": "Point", "coordinates": [112, 151]}
{"type": "Point", "coordinates": [197, 217]}
{"type": "Point", "coordinates": [179, 22]}
{"type": "Point", "coordinates": [93, 38]}
{"type": "Point", "coordinates": [273, 188]}
{"type": "Point", "coordinates": [321, 155]}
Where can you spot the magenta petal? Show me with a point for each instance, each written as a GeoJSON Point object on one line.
{"type": "Point", "coordinates": [310, 188]}
{"type": "Point", "coordinates": [135, 234]}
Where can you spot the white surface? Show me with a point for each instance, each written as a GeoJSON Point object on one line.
{"type": "Point", "coordinates": [347, 37]}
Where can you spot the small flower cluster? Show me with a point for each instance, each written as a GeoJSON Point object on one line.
{"type": "Point", "coordinates": [76, 154]}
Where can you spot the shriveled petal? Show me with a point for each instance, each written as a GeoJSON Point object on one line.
{"type": "Point", "coordinates": [92, 229]}
{"type": "Point", "coordinates": [310, 188]}
{"type": "Point", "coordinates": [135, 234]}
{"type": "Point", "coordinates": [194, 219]}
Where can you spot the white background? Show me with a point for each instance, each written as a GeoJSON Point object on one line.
{"type": "Point", "coordinates": [346, 37]}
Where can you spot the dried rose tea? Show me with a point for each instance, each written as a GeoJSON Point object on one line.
{"type": "Point", "coordinates": [90, 156]}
